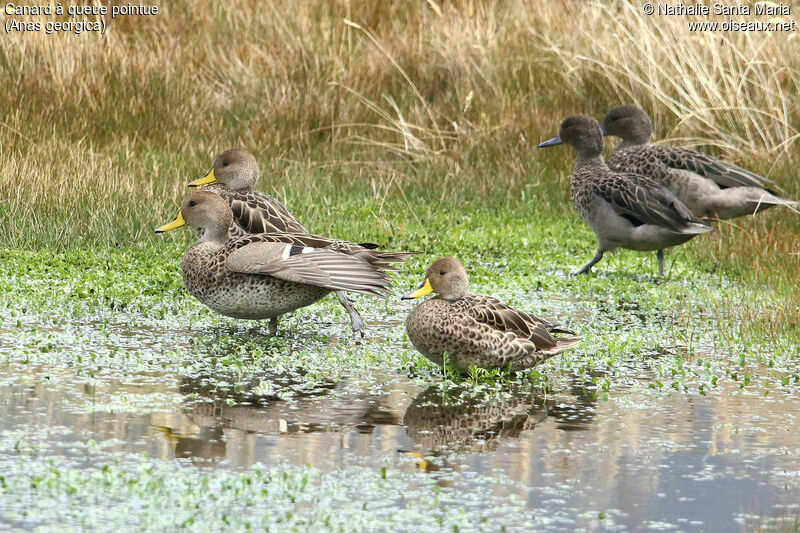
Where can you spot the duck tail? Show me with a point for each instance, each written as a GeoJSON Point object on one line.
{"type": "Point", "coordinates": [695, 228]}
{"type": "Point", "coordinates": [569, 342]}
{"type": "Point", "coordinates": [384, 261]}
{"type": "Point", "coordinates": [562, 345]}
{"type": "Point", "coordinates": [768, 200]}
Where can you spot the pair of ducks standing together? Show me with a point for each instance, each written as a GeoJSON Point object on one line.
{"type": "Point", "coordinates": [254, 260]}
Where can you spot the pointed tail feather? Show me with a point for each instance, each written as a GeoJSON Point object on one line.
{"type": "Point", "coordinates": [384, 261]}
{"type": "Point", "coordinates": [563, 344]}
{"type": "Point", "coordinates": [695, 228]}
{"type": "Point", "coordinates": [775, 200]}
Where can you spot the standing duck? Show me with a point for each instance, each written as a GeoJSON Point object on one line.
{"type": "Point", "coordinates": [710, 188]}
{"type": "Point", "coordinates": [624, 210]}
{"type": "Point", "coordinates": [476, 329]}
{"type": "Point", "coordinates": [233, 177]}
{"type": "Point", "coordinates": [263, 276]}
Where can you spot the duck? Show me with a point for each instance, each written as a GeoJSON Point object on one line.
{"type": "Point", "coordinates": [468, 329]}
{"type": "Point", "coordinates": [624, 210]}
{"type": "Point", "coordinates": [233, 177]}
{"type": "Point", "coordinates": [266, 275]}
{"type": "Point", "coordinates": [709, 187]}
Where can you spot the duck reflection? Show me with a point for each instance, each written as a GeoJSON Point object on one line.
{"type": "Point", "coordinates": [459, 420]}
{"type": "Point", "coordinates": [218, 409]}
{"type": "Point", "coordinates": [200, 442]}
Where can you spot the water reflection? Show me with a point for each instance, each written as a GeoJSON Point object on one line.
{"type": "Point", "coordinates": [641, 456]}
{"type": "Point", "coordinates": [261, 418]}
{"type": "Point", "coordinates": [203, 442]}
{"type": "Point", "coordinates": [579, 411]}
{"type": "Point", "coordinates": [459, 421]}
{"type": "Point", "coordinates": [446, 424]}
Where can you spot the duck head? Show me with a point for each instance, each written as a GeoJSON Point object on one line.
{"type": "Point", "coordinates": [206, 212]}
{"type": "Point", "coordinates": [445, 277]}
{"type": "Point", "coordinates": [629, 122]}
{"type": "Point", "coordinates": [235, 168]}
{"type": "Point", "coordinates": [582, 132]}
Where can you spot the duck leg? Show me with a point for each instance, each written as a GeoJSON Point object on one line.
{"type": "Point", "coordinates": [273, 326]}
{"type": "Point", "coordinates": [660, 255]}
{"type": "Point", "coordinates": [355, 317]}
{"type": "Point", "coordinates": [588, 266]}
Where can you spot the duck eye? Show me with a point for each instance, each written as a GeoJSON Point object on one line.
{"type": "Point", "coordinates": [192, 203]}
{"type": "Point", "coordinates": [442, 272]}
{"type": "Point", "coordinates": [224, 163]}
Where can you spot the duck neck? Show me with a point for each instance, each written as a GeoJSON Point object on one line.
{"type": "Point", "coordinates": [588, 166]}
{"type": "Point", "coordinates": [590, 159]}
{"type": "Point", "coordinates": [215, 236]}
{"type": "Point", "coordinates": [453, 296]}
{"type": "Point", "coordinates": [634, 141]}
{"type": "Point", "coordinates": [638, 133]}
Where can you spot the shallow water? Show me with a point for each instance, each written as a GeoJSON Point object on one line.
{"type": "Point", "coordinates": [652, 424]}
{"type": "Point", "coordinates": [635, 457]}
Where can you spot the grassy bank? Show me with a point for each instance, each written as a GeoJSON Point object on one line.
{"type": "Point", "coordinates": [131, 370]}
{"type": "Point", "coordinates": [386, 121]}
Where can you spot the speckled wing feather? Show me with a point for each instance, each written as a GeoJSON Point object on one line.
{"type": "Point", "coordinates": [503, 347]}
{"type": "Point", "coordinates": [643, 200]}
{"type": "Point", "coordinates": [497, 315]}
{"type": "Point", "coordinates": [308, 265]}
{"type": "Point", "coordinates": [258, 212]}
{"type": "Point", "coordinates": [381, 260]}
{"type": "Point", "coordinates": [722, 173]}
{"type": "Point", "coordinates": [639, 159]}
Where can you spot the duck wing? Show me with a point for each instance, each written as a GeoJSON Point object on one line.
{"type": "Point", "coordinates": [639, 160]}
{"type": "Point", "coordinates": [495, 314]}
{"type": "Point", "coordinates": [470, 335]}
{"type": "Point", "coordinates": [258, 212]}
{"type": "Point", "coordinates": [383, 261]}
{"type": "Point", "coordinates": [368, 252]}
{"type": "Point", "coordinates": [722, 173]}
{"type": "Point", "coordinates": [644, 201]}
{"type": "Point", "coordinates": [306, 264]}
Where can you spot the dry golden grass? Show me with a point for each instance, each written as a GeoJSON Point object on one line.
{"type": "Point", "coordinates": [394, 102]}
{"type": "Point", "coordinates": [735, 91]}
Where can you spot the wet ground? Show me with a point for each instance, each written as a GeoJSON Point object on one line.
{"type": "Point", "coordinates": [675, 436]}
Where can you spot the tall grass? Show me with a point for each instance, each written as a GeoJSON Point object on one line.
{"type": "Point", "coordinates": [408, 108]}
{"type": "Point", "coordinates": [735, 90]}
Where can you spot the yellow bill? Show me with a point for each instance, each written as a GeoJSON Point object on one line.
{"type": "Point", "coordinates": [175, 224]}
{"type": "Point", "coordinates": [422, 464]}
{"type": "Point", "coordinates": [419, 292]}
{"type": "Point", "coordinates": [205, 180]}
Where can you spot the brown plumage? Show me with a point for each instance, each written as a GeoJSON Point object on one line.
{"type": "Point", "coordinates": [267, 275]}
{"type": "Point", "coordinates": [709, 187]}
{"type": "Point", "coordinates": [234, 176]}
{"type": "Point", "coordinates": [624, 210]}
{"type": "Point", "coordinates": [476, 329]}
